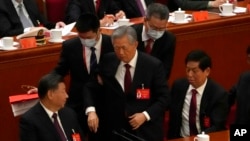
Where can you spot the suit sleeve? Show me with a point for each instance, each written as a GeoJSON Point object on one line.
{"type": "Point", "coordinates": [9, 29]}
{"type": "Point", "coordinates": [192, 4]}
{"type": "Point", "coordinates": [73, 11]}
{"type": "Point", "coordinates": [27, 130]}
{"type": "Point", "coordinates": [219, 113]}
{"type": "Point", "coordinates": [62, 67]}
{"type": "Point", "coordinates": [168, 57]}
{"type": "Point", "coordinates": [161, 93]}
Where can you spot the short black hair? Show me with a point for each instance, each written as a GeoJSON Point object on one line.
{"type": "Point", "coordinates": [48, 82]}
{"type": "Point", "coordinates": [201, 57]}
{"type": "Point", "coordinates": [87, 22]}
{"type": "Point", "coordinates": [157, 10]}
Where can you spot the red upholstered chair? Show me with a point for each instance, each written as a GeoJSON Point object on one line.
{"type": "Point", "coordinates": [55, 9]}
{"type": "Point", "coordinates": [231, 116]}
{"type": "Point", "coordinates": [165, 125]}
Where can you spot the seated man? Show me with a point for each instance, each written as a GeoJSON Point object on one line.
{"type": "Point", "coordinates": [134, 8]}
{"type": "Point", "coordinates": [194, 4]}
{"type": "Point", "coordinates": [106, 10]}
{"type": "Point", "coordinates": [18, 16]}
{"type": "Point", "coordinates": [197, 102]}
{"type": "Point", "coordinates": [154, 39]}
{"type": "Point", "coordinates": [49, 120]}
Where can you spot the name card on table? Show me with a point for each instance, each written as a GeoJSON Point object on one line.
{"type": "Point", "coordinates": [22, 102]}
{"type": "Point", "coordinates": [200, 16]}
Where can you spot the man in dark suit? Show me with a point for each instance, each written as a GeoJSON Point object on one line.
{"type": "Point", "coordinates": [135, 97]}
{"type": "Point", "coordinates": [194, 4]}
{"type": "Point", "coordinates": [240, 94]}
{"type": "Point", "coordinates": [75, 59]}
{"type": "Point", "coordinates": [197, 103]}
{"type": "Point", "coordinates": [12, 24]}
{"type": "Point", "coordinates": [132, 7]}
{"type": "Point", "coordinates": [154, 38]}
{"type": "Point", "coordinates": [106, 10]}
{"type": "Point", "coordinates": [242, 100]}
{"type": "Point", "coordinates": [40, 122]}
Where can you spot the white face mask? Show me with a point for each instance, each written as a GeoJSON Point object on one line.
{"type": "Point", "coordinates": [154, 34]}
{"type": "Point", "coordinates": [88, 42]}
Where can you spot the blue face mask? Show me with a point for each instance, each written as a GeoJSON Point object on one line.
{"type": "Point", "coordinates": [154, 33]}
{"type": "Point", "coordinates": [88, 42]}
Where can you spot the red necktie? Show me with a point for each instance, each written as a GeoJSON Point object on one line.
{"type": "Point", "coordinates": [58, 128]}
{"type": "Point", "coordinates": [192, 114]}
{"type": "Point", "coordinates": [97, 5]}
{"type": "Point", "coordinates": [148, 46]}
{"type": "Point", "coordinates": [127, 78]}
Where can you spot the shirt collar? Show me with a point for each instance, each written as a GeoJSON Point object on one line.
{"type": "Point", "coordinates": [144, 35]}
{"type": "Point", "coordinates": [200, 90]}
{"type": "Point", "coordinates": [49, 112]}
{"type": "Point", "coordinates": [132, 62]}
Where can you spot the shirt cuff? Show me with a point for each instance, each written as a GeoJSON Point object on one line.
{"type": "Point", "coordinates": [146, 115]}
{"type": "Point", "coordinates": [90, 109]}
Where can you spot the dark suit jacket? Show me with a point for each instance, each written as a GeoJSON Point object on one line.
{"type": "Point", "coordinates": [71, 62]}
{"type": "Point", "coordinates": [119, 106]}
{"type": "Point", "coordinates": [130, 7]}
{"type": "Point", "coordinates": [214, 105]}
{"type": "Point", "coordinates": [187, 4]}
{"type": "Point", "coordinates": [242, 99]}
{"type": "Point", "coordinates": [163, 48]}
{"type": "Point", "coordinates": [77, 7]}
{"type": "Point", "coordinates": [11, 24]}
{"type": "Point", "coordinates": [36, 125]}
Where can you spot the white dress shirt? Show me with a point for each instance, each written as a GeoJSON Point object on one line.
{"type": "Point", "coordinates": [186, 106]}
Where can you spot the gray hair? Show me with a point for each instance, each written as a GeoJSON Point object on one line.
{"type": "Point", "coordinates": [125, 30]}
{"type": "Point", "coordinates": [157, 10]}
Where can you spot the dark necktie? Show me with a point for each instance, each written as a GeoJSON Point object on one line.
{"type": "Point", "coordinates": [127, 78]}
{"type": "Point", "coordinates": [97, 5]}
{"type": "Point", "coordinates": [58, 128]}
{"type": "Point", "coordinates": [25, 21]}
{"type": "Point", "coordinates": [148, 46]}
{"type": "Point", "coordinates": [192, 114]}
{"type": "Point", "coordinates": [93, 61]}
{"type": "Point", "coordinates": [139, 4]}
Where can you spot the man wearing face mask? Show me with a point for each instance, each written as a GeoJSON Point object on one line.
{"type": "Point", "coordinates": [154, 39]}
{"type": "Point", "coordinates": [79, 58]}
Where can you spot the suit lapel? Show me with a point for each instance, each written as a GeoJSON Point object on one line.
{"type": "Point", "coordinates": [205, 98]}
{"type": "Point", "coordinates": [13, 13]}
{"type": "Point", "coordinates": [114, 81]}
{"type": "Point", "coordinates": [65, 124]}
{"type": "Point", "coordinates": [46, 121]}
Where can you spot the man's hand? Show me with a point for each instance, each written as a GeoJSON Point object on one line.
{"type": "Point", "coordinates": [107, 20]}
{"type": "Point", "coordinates": [120, 15]}
{"type": "Point", "coordinates": [93, 121]}
{"type": "Point", "coordinates": [136, 120]}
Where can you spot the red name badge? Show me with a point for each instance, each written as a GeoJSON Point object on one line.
{"type": "Point", "coordinates": [76, 137]}
{"type": "Point", "coordinates": [142, 94]}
